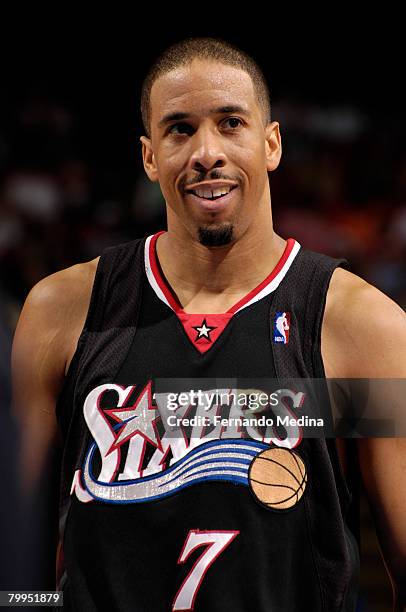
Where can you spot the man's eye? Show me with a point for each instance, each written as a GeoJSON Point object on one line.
{"type": "Point", "coordinates": [233, 122]}
{"type": "Point", "coordinates": [180, 128]}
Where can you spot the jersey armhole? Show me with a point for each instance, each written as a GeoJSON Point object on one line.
{"type": "Point", "coordinates": [73, 366]}
{"type": "Point", "coordinates": [317, 358]}
{"type": "Point", "coordinates": [344, 484]}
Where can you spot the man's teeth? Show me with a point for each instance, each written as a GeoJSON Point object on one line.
{"type": "Point", "coordinates": [209, 194]}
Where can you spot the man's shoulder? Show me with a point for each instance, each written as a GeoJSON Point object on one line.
{"type": "Point", "coordinates": [49, 326]}
{"type": "Point", "coordinates": [352, 298]}
{"type": "Point", "coordinates": [55, 310]}
{"type": "Point", "coordinates": [64, 288]}
{"type": "Point", "coordinates": [363, 326]}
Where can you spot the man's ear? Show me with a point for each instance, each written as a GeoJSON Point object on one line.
{"type": "Point", "coordinates": [273, 145]}
{"type": "Point", "coordinates": [148, 158]}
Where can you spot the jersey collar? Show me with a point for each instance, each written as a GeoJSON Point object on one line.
{"type": "Point", "coordinates": [204, 329]}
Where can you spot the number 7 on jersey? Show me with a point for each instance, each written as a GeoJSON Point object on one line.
{"type": "Point", "coordinates": [216, 542]}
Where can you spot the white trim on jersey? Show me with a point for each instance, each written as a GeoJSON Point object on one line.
{"type": "Point", "coordinates": [150, 274]}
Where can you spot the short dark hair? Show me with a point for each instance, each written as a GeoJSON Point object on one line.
{"type": "Point", "coordinates": [184, 52]}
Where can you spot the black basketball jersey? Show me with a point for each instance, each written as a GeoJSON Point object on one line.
{"type": "Point", "coordinates": [158, 518]}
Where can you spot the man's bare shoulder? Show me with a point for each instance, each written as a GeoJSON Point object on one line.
{"type": "Point", "coordinates": [351, 298]}
{"type": "Point", "coordinates": [65, 287]}
{"type": "Point", "coordinates": [54, 314]}
{"type": "Point", "coordinates": [364, 331]}
{"type": "Point", "coordinates": [63, 294]}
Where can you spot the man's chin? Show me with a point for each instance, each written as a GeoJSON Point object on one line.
{"type": "Point", "coordinates": [216, 235]}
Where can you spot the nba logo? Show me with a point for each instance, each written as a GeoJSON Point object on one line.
{"type": "Point", "coordinates": [281, 327]}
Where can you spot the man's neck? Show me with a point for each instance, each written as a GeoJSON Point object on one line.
{"type": "Point", "coordinates": [212, 280]}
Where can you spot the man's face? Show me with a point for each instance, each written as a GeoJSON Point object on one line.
{"type": "Point", "coordinates": [210, 149]}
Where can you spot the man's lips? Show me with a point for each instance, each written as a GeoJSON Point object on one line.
{"type": "Point", "coordinates": [212, 185]}
{"type": "Point", "coordinates": [211, 205]}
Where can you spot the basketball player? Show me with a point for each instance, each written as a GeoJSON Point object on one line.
{"type": "Point", "coordinates": [154, 522]}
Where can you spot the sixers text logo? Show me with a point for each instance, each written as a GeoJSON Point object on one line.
{"type": "Point", "coordinates": [135, 456]}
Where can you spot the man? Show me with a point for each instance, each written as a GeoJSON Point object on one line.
{"type": "Point", "coordinates": [154, 522]}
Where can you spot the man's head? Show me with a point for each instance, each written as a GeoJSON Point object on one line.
{"type": "Point", "coordinates": [210, 143]}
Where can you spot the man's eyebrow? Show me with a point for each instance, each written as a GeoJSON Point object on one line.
{"type": "Point", "coordinates": [233, 108]}
{"type": "Point", "coordinates": [173, 117]}
{"type": "Point", "coordinates": [221, 110]}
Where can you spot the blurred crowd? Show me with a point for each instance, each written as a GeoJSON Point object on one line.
{"type": "Point", "coordinates": [340, 189]}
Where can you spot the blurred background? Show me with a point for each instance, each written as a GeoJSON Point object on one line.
{"type": "Point", "coordinates": [72, 183]}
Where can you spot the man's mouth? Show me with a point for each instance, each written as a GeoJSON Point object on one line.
{"type": "Point", "coordinates": [211, 194]}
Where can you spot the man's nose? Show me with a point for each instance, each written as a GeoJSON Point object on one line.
{"type": "Point", "coordinates": [207, 151]}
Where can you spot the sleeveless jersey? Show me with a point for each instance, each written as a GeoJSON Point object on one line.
{"type": "Point", "coordinates": [158, 519]}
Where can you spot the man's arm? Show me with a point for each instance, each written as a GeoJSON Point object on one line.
{"type": "Point", "coordinates": [45, 339]}
{"type": "Point", "coordinates": [364, 336]}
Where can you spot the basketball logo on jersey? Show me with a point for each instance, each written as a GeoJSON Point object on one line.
{"type": "Point", "coordinates": [278, 478]}
{"type": "Point", "coordinates": [281, 327]}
